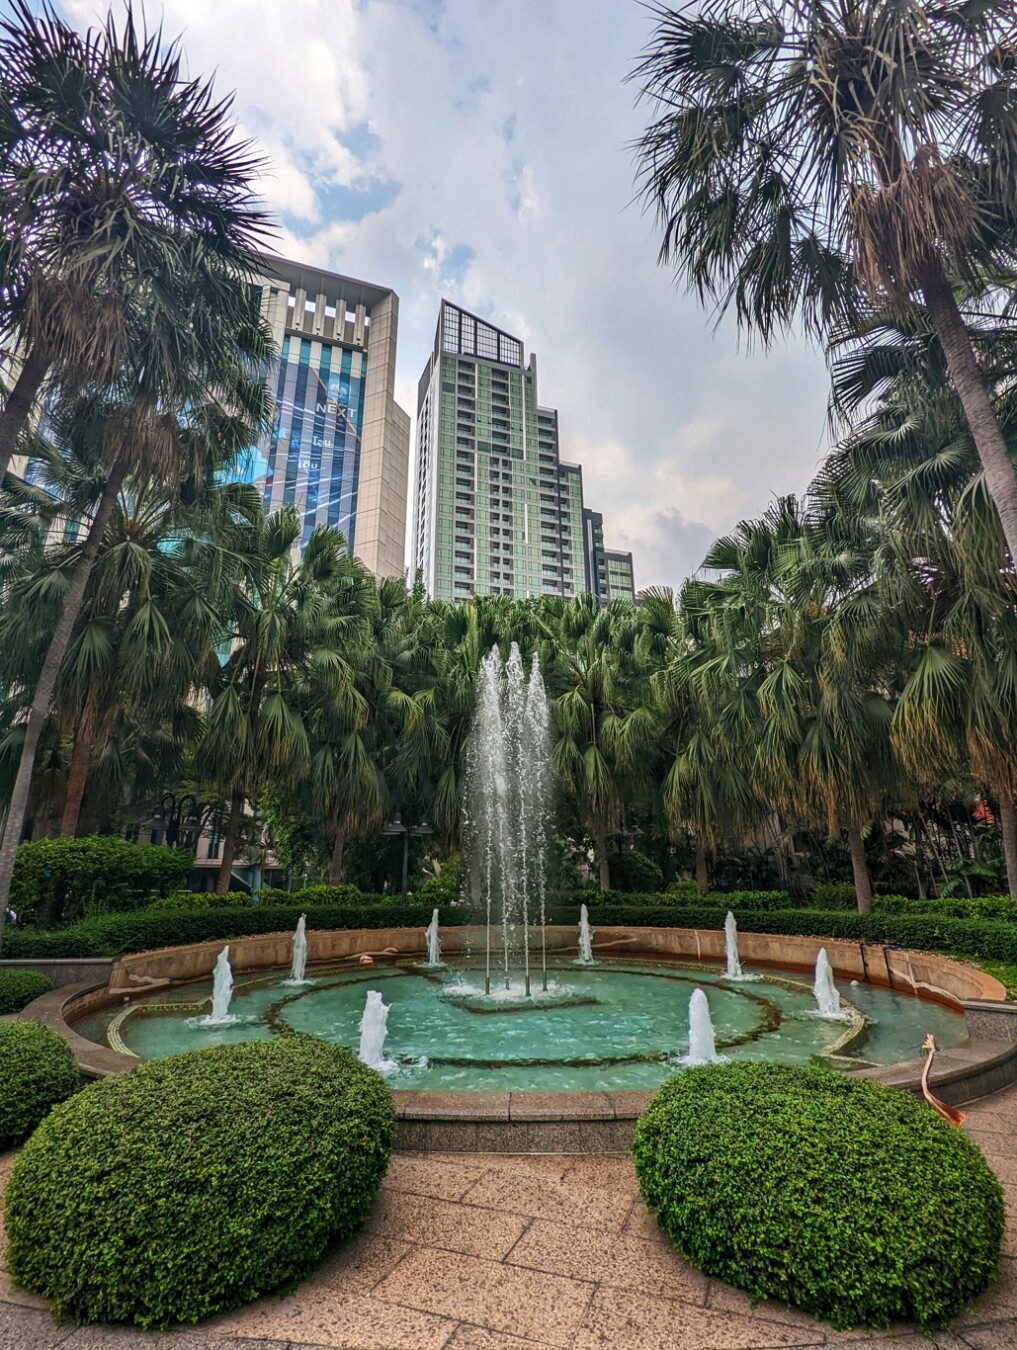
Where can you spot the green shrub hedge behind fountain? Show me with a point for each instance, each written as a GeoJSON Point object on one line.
{"type": "Point", "coordinates": [849, 1200]}
{"type": "Point", "coordinates": [192, 1185]}
{"type": "Point", "coordinates": [37, 1070]}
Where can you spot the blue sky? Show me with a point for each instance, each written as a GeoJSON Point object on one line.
{"type": "Point", "coordinates": [479, 149]}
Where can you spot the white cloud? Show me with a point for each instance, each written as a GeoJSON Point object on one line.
{"type": "Point", "coordinates": [505, 127]}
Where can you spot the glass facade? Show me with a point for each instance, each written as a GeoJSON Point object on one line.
{"type": "Point", "coordinates": [312, 458]}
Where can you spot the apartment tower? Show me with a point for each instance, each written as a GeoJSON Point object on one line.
{"type": "Point", "coordinates": [496, 510]}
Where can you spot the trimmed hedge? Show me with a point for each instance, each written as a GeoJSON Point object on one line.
{"type": "Point", "coordinates": [852, 1201]}
{"type": "Point", "coordinates": [19, 987]}
{"type": "Point", "coordinates": [37, 1070]}
{"type": "Point", "coordinates": [117, 934]}
{"type": "Point", "coordinates": [60, 880]}
{"type": "Point", "coordinates": [194, 1184]}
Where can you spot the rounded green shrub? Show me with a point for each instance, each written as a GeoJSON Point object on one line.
{"type": "Point", "coordinates": [194, 1184]}
{"type": "Point", "coordinates": [19, 987]}
{"type": "Point", "coordinates": [852, 1201]}
{"type": "Point", "coordinates": [37, 1070]}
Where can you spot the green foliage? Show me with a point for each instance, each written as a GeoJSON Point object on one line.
{"type": "Point", "coordinates": [852, 1201]}
{"type": "Point", "coordinates": [194, 1184]}
{"type": "Point", "coordinates": [37, 1070]}
{"type": "Point", "coordinates": [833, 895]}
{"type": "Point", "coordinates": [682, 888]}
{"type": "Point", "coordinates": [447, 887]}
{"type": "Point", "coordinates": [190, 900]}
{"type": "Point", "coordinates": [315, 895]}
{"type": "Point", "coordinates": [959, 907]}
{"type": "Point", "coordinates": [19, 987]}
{"type": "Point", "coordinates": [117, 934]}
{"type": "Point", "coordinates": [634, 871]}
{"type": "Point", "coordinates": [57, 881]}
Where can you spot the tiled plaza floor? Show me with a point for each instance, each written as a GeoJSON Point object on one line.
{"type": "Point", "coordinates": [490, 1252]}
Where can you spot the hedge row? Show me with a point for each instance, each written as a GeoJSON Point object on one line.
{"type": "Point", "coordinates": [117, 934]}
{"type": "Point", "coordinates": [61, 880]}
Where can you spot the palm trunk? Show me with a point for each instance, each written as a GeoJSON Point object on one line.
{"type": "Point", "coordinates": [337, 867]}
{"type": "Point", "coordinates": [860, 868]}
{"type": "Point", "coordinates": [38, 713]}
{"type": "Point", "coordinates": [978, 410]}
{"type": "Point", "coordinates": [229, 845]}
{"type": "Point", "coordinates": [602, 860]}
{"type": "Point", "coordinates": [18, 408]}
{"type": "Point", "coordinates": [702, 876]}
{"type": "Point", "coordinates": [77, 769]}
{"type": "Point", "coordinates": [1008, 829]}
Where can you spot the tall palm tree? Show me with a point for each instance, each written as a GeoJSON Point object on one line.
{"type": "Point", "coordinates": [284, 619]}
{"type": "Point", "coordinates": [813, 159]}
{"type": "Point", "coordinates": [126, 212]}
{"type": "Point", "coordinates": [124, 440]}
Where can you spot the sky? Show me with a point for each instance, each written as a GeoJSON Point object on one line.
{"type": "Point", "coordinates": [480, 150]}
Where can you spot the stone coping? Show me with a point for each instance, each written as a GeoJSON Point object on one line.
{"type": "Point", "coordinates": [569, 1121]}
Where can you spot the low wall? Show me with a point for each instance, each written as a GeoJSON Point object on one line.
{"type": "Point", "coordinates": [64, 970]}
{"type": "Point", "coordinates": [582, 1122]}
{"type": "Point", "coordinates": [924, 973]}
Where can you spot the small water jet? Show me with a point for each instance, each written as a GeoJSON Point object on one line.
{"type": "Point", "coordinates": [373, 1030]}
{"type": "Point", "coordinates": [825, 991]}
{"type": "Point", "coordinates": [298, 964]}
{"type": "Point", "coordinates": [222, 992]}
{"type": "Point", "coordinates": [585, 938]}
{"type": "Point", "coordinates": [734, 966]}
{"type": "Point", "coordinates": [702, 1037]}
{"type": "Point", "coordinates": [433, 942]}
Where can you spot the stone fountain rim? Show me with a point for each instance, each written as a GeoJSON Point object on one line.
{"type": "Point", "coordinates": [576, 1121]}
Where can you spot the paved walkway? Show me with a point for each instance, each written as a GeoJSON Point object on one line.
{"type": "Point", "coordinates": [490, 1252]}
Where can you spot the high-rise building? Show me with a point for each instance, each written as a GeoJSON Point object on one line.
{"type": "Point", "coordinates": [620, 581]}
{"type": "Point", "coordinates": [338, 450]}
{"type": "Point", "coordinates": [496, 509]}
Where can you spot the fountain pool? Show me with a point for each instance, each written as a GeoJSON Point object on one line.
{"type": "Point", "coordinates": [621, 1024]}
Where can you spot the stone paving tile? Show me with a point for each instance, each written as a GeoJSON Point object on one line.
{"type": "Point", "coordinates": [443, 1178]}
{"type": "Point", "coordinates": [501, 1298]}
{"type": "Point", "coordinates": [1001, 1336]}
{"type": "Point", "coordinates": [437, 1223]}
{"type": "Point", "coordinates": [343, 1323]}
{"type": "Point", "coordinates": [130, 1338]}
{"type": "Point", "coordinates": [723, 1298]}
{"type": "Point", "coordinates": [615, 1319]}
{"type": "Point", "coordinates": [27, 1329]}
{"type": "Point", "coordinates": [545, 1198]}
{"type": "Point", "coordinates": [641, 1223]}
{"type": "Point", "coordinates": [612, 1174]}
{"type": "Point", "coordinates": [623, 1262]}
{"type": "Point", "coordinates": [538, 1164]}
{"type": "Point", "coordinates": [479, 1338]}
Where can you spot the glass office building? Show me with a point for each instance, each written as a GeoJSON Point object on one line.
{"type": "Point", "coordinates": [496, 511]}
{"type": "Point", "coordinates": [338, 450]}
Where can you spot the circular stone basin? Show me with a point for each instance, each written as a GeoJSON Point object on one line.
{"type": "Point", "coordinates": [615, 1025]}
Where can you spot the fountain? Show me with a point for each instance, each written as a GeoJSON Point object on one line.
{"type": "Point", "coordinates": [825, 991]}
{"type": "Point", "coordinates": [373, 1030]}
{"type": "Point", "coordinates": [702, 1038]}
{"type": "Point", "coordinates": [222, 992]}
{"type": "Point", "coordinates": [585, 938]}
{"type": "Point", "coordinates": [508, 795]}
{"type": "Point", "coordinates": [734, 966]}
{"type": "Point", "coordinates": [433, 944]}
{"type": "Point", "coordinates": [299, 962]}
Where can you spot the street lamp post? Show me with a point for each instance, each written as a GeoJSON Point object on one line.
{"type": "Point", "coordinates": [178, 819]}
{"type": "Point", "coordinates": [396, 827]}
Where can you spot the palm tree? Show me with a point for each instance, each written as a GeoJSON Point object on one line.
{"type": "Point", "coordinates": [283, 620]}
{"type": "Point", "coordinates": [814, 159]}
{"type": "Point", "coordinates": [126, 213]}
{"type": "Point", "coordinates": [122, 439]}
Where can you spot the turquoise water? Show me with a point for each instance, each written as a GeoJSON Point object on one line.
{"type": "Point", "coordinates": [616, 1025]}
